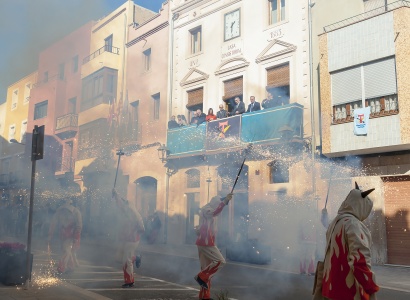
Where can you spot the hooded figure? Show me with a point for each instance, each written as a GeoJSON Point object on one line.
{"type": "Point", "coordinates": [347, 267]}
{"type": "Point", "coordinates": [210, 257]}
{"type": "Point", "coordinates": [70, 223]}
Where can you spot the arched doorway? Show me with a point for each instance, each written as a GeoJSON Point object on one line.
{"type": "Point", "coordinates": [146, 195]}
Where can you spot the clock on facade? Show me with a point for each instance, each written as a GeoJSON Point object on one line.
{"type": "Point", "coordinates": [232, 25]}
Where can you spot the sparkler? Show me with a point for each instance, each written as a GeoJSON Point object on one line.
{"type": "Point", "coordinates": [328, 189]}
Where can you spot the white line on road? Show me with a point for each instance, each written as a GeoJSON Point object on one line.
{"type": "Point", "coordinates": [137, 289]}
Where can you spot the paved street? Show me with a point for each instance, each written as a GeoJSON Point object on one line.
{"type": "Point", "coordinates": [171, 277]}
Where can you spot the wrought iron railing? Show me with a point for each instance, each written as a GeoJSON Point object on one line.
{"type": "Point", "coordinates": [66, 164]}
{"type": "Point", "coordinates": [111, 49]}
{"type": "Point", "coordinates": [366, 15]}
{"type": "Point", "coordinates": [69, 120]}
{"type": "Point", "coordinates": [49, 79]}
{"type": "Point", "coordinates": [4, 179]}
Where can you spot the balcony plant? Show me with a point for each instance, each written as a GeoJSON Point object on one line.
{"type": "Point", "coordinates": [13, 257]}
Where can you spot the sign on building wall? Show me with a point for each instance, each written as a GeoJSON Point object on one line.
{"type": "Point", "coordinates": [223, 133]}
{"type": "Point", "coordinates": [231, 49]}
{"type": "Point", "coordinates": [361, 120]}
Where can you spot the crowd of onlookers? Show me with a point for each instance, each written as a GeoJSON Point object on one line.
{"type": "Point", "coordinates": [239, 108]}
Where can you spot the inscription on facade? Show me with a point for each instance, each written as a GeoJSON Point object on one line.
{"type": "Point", "coordinates": [275, 34]}
{"type": "Point", "coordinates": [194, 63]}
{"type": "Point", "coordinates": [231, 49]}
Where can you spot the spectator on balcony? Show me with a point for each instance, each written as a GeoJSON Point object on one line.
{"type": "Point", "coordinates": [194, 119]}
{"type": "Point", "coordinates": [268, 102]}
{"type": "Point", "coordinates": [172, 123]}
{"type": "Point", "coordinates": [222, 113]}
{"type": "Point", "coordinates": [181, 120]}
{"type": "Point", "coordinates": [239, 107]}
{"type": "Point", "coordinates": [201, 117]}
{"type": "Point", "coordinates": [253, 106]}
{"type": "Point", "coordinates": [210, 116]}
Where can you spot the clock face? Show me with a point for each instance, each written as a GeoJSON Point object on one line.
{"type": "Point", "coordinates": [232, 25]}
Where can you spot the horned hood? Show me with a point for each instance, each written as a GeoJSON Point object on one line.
{"type": "Point", "coordinates": [212, 205]}
{"type": "Point", "coordinates": [356, 204]}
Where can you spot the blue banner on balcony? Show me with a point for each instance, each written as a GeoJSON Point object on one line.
{"type": "Point", "coordinates": [223, 133]}
{"type": "Point", "coordinates": [186, 140]}
{"type": "Point", "coordinates": [272, 125]}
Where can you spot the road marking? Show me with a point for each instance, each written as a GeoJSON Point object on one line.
{"type": "Point", "coordinates": [137, 289]}
{"type": "Point", "coordinates": [395, 289]}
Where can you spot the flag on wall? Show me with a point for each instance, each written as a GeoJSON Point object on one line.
{"type": "Point", "coordinates": [361, 120]}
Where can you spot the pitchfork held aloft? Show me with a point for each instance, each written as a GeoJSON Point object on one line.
{"type": "Point", "coordinates": [246, 152]}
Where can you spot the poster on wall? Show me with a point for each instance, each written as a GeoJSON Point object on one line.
{"type": "Point", "coordinates": [361, 120]}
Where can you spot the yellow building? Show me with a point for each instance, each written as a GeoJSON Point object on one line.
{"type": "Point", "coordinates": [103, 97]}
{"type": "Point", "coordinates": [12, 172]}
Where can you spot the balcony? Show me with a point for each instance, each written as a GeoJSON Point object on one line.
{"type": "Point", "coordinates": [66, 165]}
{"type": "Point", "coordinates": [4, 180]}
{"type": "Point", "coordinates": [67, 126]}
{"type": "Point", "coordinates": [50, 80]}
{"type": "Point", "coordinates": [271, 127]}
{"type": "Point", "coordinates": [110, 49]}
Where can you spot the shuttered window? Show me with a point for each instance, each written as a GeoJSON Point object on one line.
{"type": "Point", "coordinates": [380, 78]}
{"type": "Point", "coordinates": [233, 88]}
{"type": "Point", "coordinates": [278, 76]}
{"type": "Point", "coordinates": [347, 86]}
{"type": "Point", "coordinates": [195, 97]}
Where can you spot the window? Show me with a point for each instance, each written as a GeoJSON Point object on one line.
{"type": "Point", "coordinates": [196, 40]}
{"type": "Point", "coordinates": [156, 99]}
{"type": "Point", "coordinates": [369, 85]}
{"type": "Point", "coordinates": [14, 99]}
{"type": "Point", "coordinates": [23, 131]}
{"type": "Point", "coordinates": [97, 86]}
{"type": "Point", "coordinates": [27, 89]}
{"type": "Point", "coordinates": [72, 105]}
{"type": "Point", "coordinates": [278, 85]}
{"type": "Point", "coordinates": [40, 110]}
{"type": "Point", "coordinates": [12, 132]}
{"type": "Point", "coordinates": [277, 11]}
{"type": "Point", "coordinates": [195, 99]}
{"type": "Point", "coordinates": [75, 64]}
{"type": "Point", "coordinates": [108, 43]}
{"type": "Point", "coordinates": [61, 68]}
{"type": "Point", "coordinates": [110, 83]}
{"type": "Point", "coordinates": [147, 59]}
{"type": "Point", "coordinates": [279, 171]}
{"type": "Point", "coordinates": [135, 115]}
{"type": "Point", "coordinates": [193, 178]}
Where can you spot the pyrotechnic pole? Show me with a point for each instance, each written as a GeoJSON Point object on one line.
{"type": "Point", "coordinates": [119, 153]}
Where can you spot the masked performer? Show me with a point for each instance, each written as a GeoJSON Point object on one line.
{"type": "Point", "coordinates": [69, 220]}
{"type": "Point", "coordinates": [347, 267]}
{"type": "Point", "coordinates": [210, 257]}
{"type": "Point", "coordinates": [132, 227]}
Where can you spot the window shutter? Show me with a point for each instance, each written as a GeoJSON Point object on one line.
{"type": "Point", "coordinates": [278, 76]}
{"type": "Point", "coordinates": [380, 78]}
{"type": "Point", "coordinates": [233, 88]}
{"type": "Point", "coordinates": [346, 86]}
{"type": "Point", "coordinates": [195, 97]}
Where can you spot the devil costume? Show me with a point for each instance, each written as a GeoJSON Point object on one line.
{"type": "Point", "coordinates": [347, 267]}
{"type": "Point", "coordinates": [131, 228]}
{"type": "Point", "coordinates": [210, 257]}
{"type": "Point", "coordinates": [70, 222]}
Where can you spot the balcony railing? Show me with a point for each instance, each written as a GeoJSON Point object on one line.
{"type": "Point", "coordinates": [277, 125]}
{"type": "Point", "coordinates": [367, 15]}
{"type": "Point", "coordinates": [66, 164]}
{"type": "Point", "coordinates": [69, 120]}
{"type": "Point", "coordinates": [49, 79]}
{"type": "Point", "coordinates": [4, 179]}
{"type": "Point", "coordinates": [110, 49]}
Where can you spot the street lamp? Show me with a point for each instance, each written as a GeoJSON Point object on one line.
{"type": "Point", "coordinates": [209, 180]}
{"type": "Point", "coordinates": [163, 153]}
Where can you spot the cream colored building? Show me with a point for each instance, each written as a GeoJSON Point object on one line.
{"type": "Point", "coordinates": [221, 50]}
{"type": "Point", "coordinates": [14, 128]}
{"type": "Point", "coordinates": [104, 99]}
